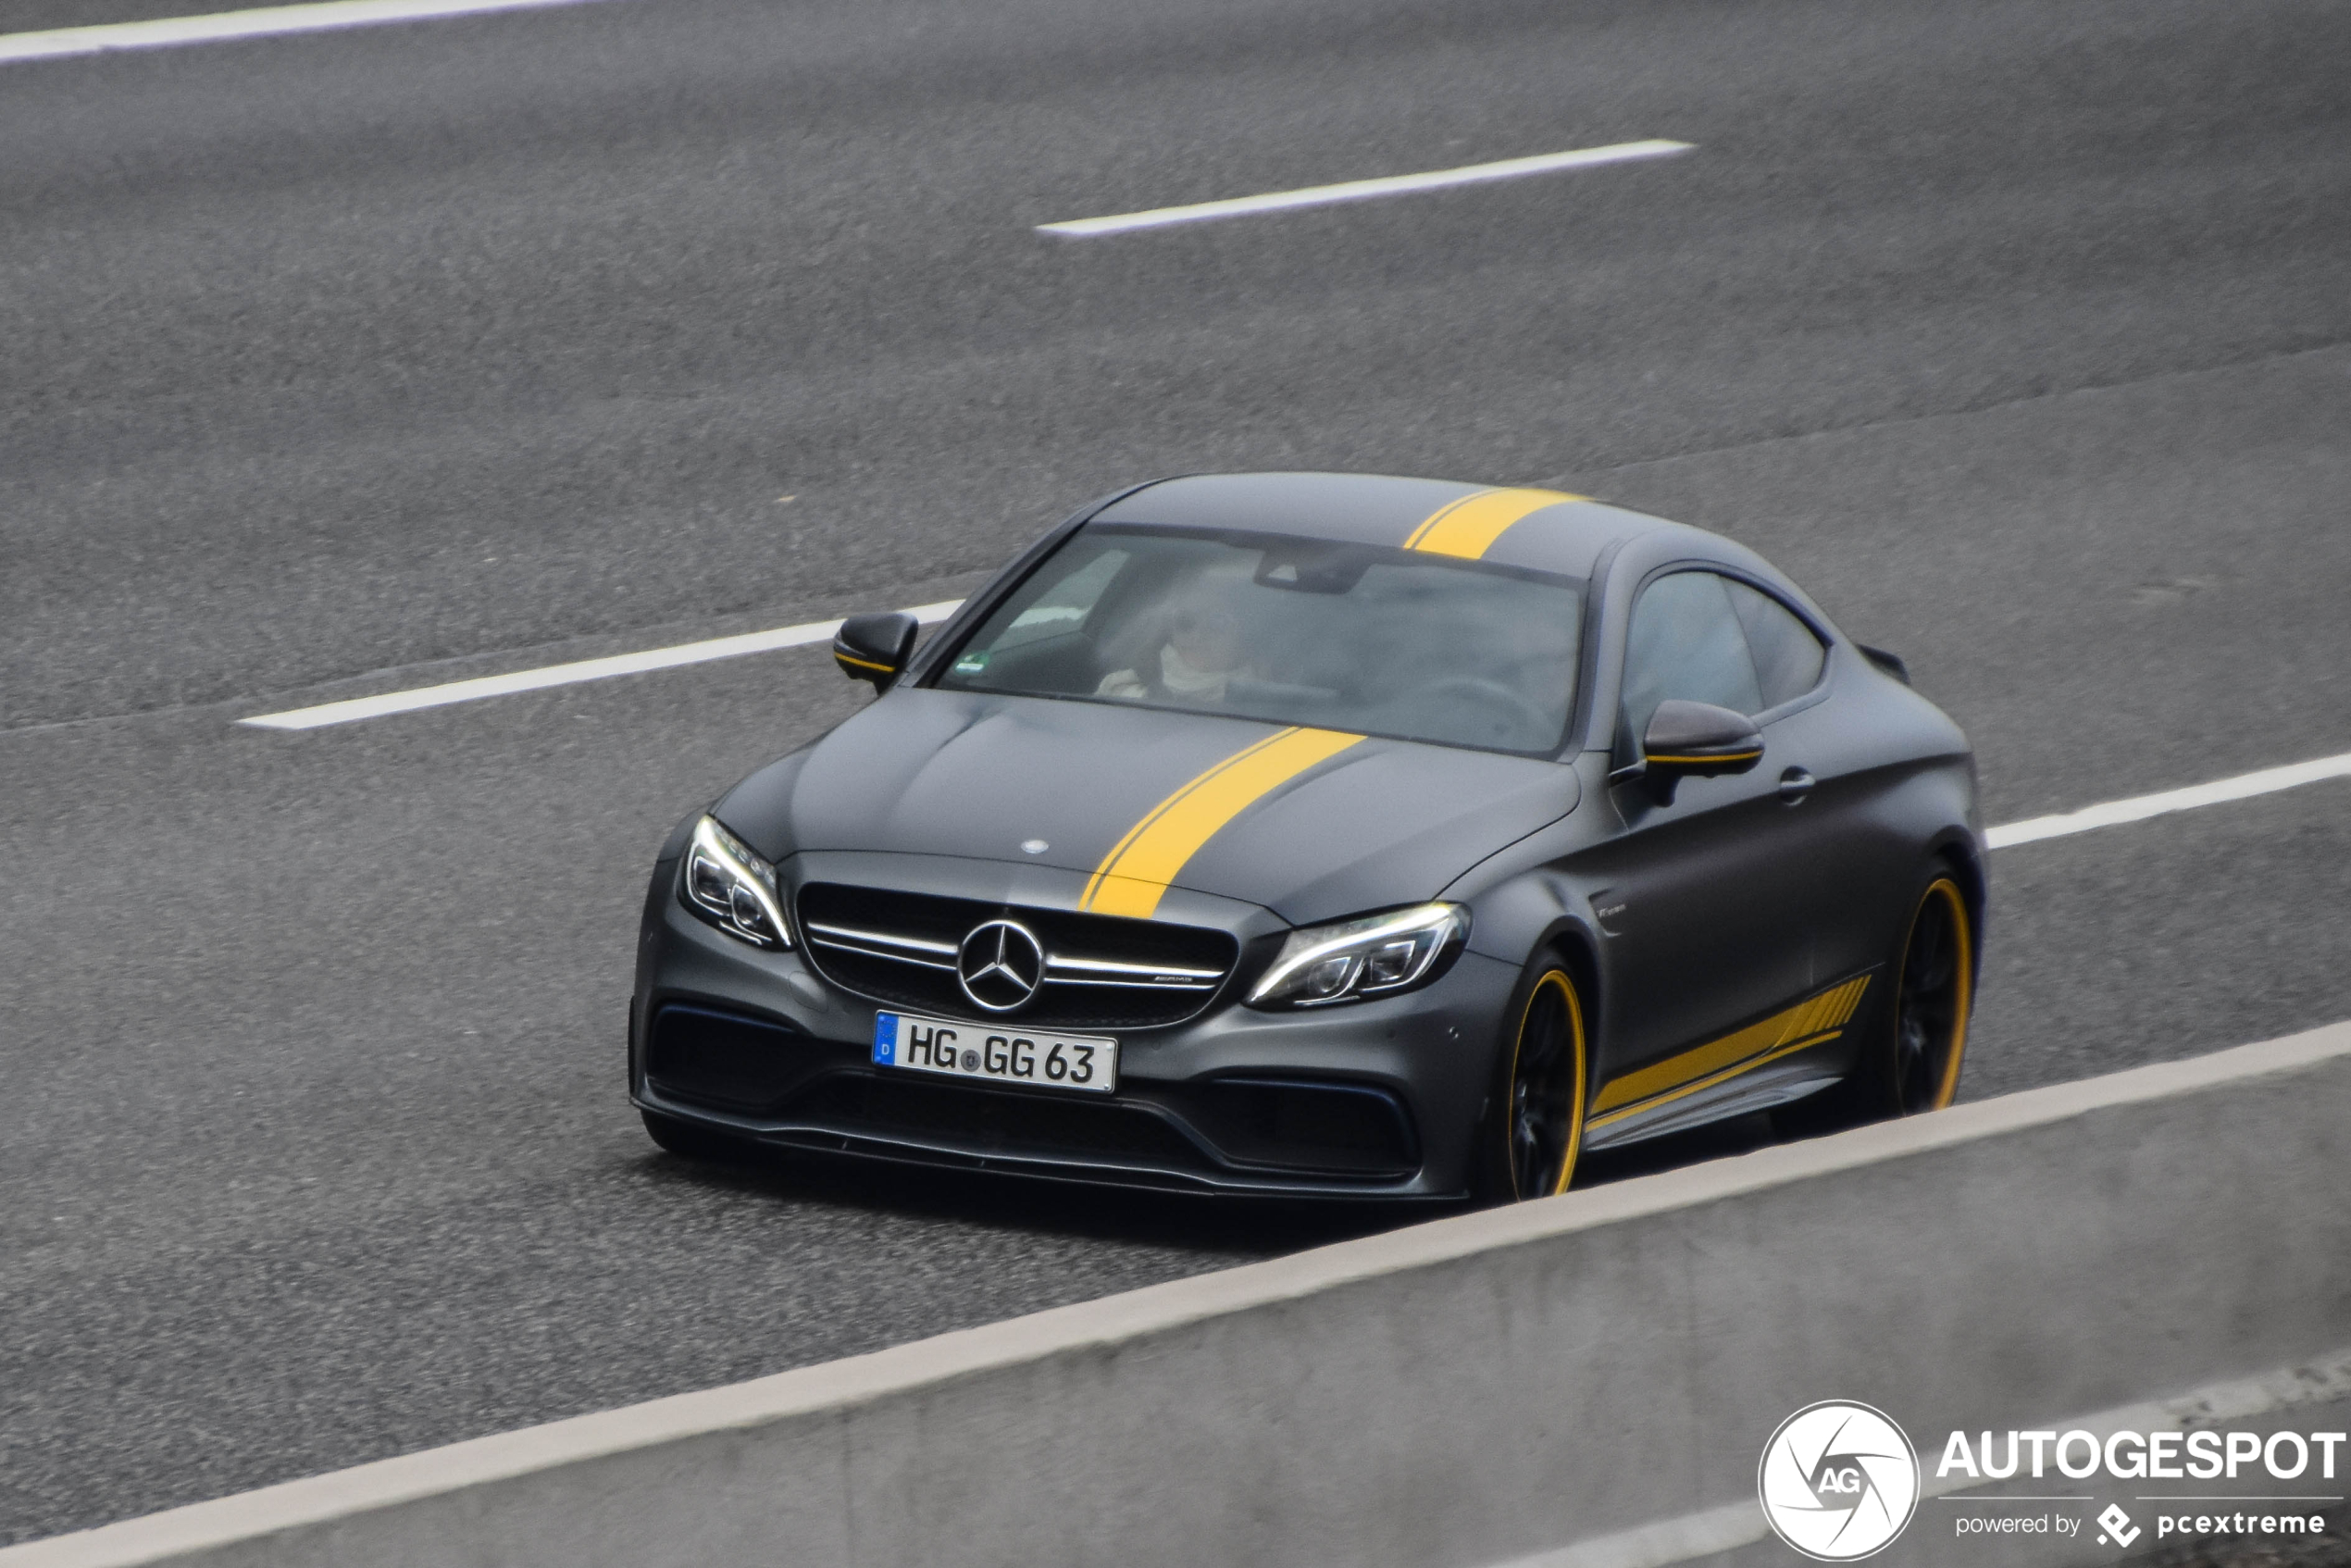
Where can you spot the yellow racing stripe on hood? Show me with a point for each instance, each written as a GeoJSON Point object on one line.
{"type": "Point", "coordinates": [1469, 527]}
{"type": "Point", "coordinates": [1136, 872]}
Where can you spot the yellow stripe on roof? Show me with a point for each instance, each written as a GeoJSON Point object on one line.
{"type": "Point", "coordinates": [1469, 527]}
{"type": "Point", "coordinates": [1136, 872]}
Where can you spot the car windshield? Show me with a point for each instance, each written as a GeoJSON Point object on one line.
{"type": "Point", "coordinates": [1297, 632]}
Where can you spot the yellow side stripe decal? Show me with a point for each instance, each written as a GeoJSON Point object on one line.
{"type": "Point", "coordinates": [1135, 874]}
{"type": "Point", "coordinates": [1807, 1023]}
{"type": "Point", "coordinates": [1685, 1091]}
{"type": "Point", "coordinates": [1469, 527]}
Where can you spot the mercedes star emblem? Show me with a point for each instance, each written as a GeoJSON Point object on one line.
{"type": "Point", "coordinates": [1001, 965]}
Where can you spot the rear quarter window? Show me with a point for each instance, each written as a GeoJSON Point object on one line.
{"type": "Point", "coordinates": [1788, 659]}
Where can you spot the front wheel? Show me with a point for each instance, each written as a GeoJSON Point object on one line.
{"type": "Point", "coordinates": [1536, 1130]}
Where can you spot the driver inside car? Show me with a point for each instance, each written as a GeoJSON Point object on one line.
{"type": "Point", "coordinates": [1200, 657]}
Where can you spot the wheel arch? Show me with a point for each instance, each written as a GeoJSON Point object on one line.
{"type": "Point", "coordinates": [1962, 852]}
{"type": "Point", "coordinates": [1571, 946]}
{"type": "Point", "coordinates": [1577, 953]}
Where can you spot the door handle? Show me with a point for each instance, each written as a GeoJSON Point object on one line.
{"type": "Point", "coordinates": [1795, 785]}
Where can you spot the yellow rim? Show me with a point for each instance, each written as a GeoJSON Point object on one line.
{"type": "Point", "coordinates": [1553, 979]}
{"type": "Point", "coordinates": [1949, 891]}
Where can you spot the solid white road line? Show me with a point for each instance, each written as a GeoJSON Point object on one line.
{"type": "Point", "coordinates": [1365, 190]}
{"type": "Point", "coordinates": [2140, 807]}
{"type": "Point", "coordinates": [263, 23]}
{"type": "Point", "coordinates": [568, 675]}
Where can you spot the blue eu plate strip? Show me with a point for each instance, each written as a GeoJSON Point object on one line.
{"type": "Point", "coordinates": [885, 1039]}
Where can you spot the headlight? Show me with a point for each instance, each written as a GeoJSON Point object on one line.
{"type": "Point", "coordinates": [1352, 959]}
{"type": "Point", "coordinates": [725, 882]}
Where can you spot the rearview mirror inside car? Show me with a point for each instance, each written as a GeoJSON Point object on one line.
{"type": "Point", "coordinates": [1686, 739]}
{"type": "Point", "coordinates": [875, 648]}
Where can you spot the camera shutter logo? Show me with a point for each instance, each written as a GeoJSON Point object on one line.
{"type": "Point", "coordinates": [1838, 1481]}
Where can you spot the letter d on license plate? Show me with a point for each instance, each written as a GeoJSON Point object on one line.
{"type": "Point", "coordinates": [1088, 1062]}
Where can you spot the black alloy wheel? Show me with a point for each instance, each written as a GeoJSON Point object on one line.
{"type": "Point", "coordinates": [1543, 1113]}
{"type": "Point", "coordinates": [1938, 987]}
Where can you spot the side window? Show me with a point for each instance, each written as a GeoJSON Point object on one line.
{"type": "Point", "coordinates": [1787, 656]}
{"type": "Point", "coordinates": [1686, 642]}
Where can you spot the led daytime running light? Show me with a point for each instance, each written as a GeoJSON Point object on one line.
{"type": "Point", "coordinates": [747, 872]}
{"type": "Point", "coordinates": [1436, 924]}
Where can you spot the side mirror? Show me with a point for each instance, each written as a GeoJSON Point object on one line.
{"type": "Point", "coordinates": [875, 648]}
{"type": "Point", "coordinates": [1695, 739]}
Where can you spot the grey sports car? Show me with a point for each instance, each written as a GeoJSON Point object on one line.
{"type": "Point", "coordinates": [1326, 835]}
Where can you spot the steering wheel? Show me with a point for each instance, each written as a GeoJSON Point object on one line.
{"type": "Point", "coordinates": [1493, 693]}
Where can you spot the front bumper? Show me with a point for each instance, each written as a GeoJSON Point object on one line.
{"type": "Point", "coordinates": [1376, 1100]}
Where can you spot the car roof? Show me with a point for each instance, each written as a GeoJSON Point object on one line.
{"type": "Point", "coordinates": [1543, 529]}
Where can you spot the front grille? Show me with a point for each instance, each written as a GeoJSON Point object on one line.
{"type": "Point", "coordinates": [1101, 972]}
{"type": "Point", "coordinates": [993, 1121]}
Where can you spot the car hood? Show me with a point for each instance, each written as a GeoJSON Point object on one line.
{"type": "Point", "coordinates": [1310, 823]}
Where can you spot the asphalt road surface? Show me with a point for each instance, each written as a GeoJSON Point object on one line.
{"type": "Point", "coordinates": [345, 362]}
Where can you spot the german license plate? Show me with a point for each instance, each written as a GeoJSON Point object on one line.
{"type": "Point", "coordinates": [1001, 1055]}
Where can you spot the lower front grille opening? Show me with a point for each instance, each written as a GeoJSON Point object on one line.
{"type": "Point", "coordinates": [993, 1121]}
{"type": "Point", "coordinates": [722, 1059]}
{"type": "Point", "coordinates": [1347, 1128]}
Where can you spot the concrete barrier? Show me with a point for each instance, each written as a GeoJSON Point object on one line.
{"type": "Point", "coordinates": [1583, 1381]}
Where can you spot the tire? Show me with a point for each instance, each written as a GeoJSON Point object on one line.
{"type": "Point", "coordinates": [689, 1142]}
{"type": "Point", "coordinates": [1912, 1061]}
{"type": "Point", "coordinates": [1934, 996]}
{"type": "Point", "coordinates": [1534, 1132]}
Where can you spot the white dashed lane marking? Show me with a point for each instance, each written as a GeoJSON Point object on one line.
{"type": "Point", "coordinates": [265, 22]}
{"type": "Point", "coordinates": [356, 708]}
{"type": "Point", "coordinates": [1364, 189]}
{"type": "Point", "coordinates": [2138, 808]}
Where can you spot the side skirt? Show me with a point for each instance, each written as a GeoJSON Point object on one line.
{"type": "Point", "coordinates": [1794, 1053]}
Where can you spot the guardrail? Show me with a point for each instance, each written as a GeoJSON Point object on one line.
{"type": "Point", "coordinates": [1587, 1380]}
